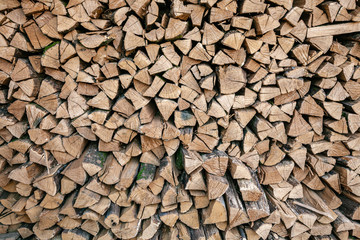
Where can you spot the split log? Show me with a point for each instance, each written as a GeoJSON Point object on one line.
{"type": "Point", "coordinates": [118, 116]}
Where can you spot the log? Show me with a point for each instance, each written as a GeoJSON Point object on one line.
{"type": "Point", "coordinates": [335, 29]}
{"type": "Point", "coordinates": [179, 119]}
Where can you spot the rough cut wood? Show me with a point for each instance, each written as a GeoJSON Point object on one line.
{"type": "Point", "coordinates": [334, 29]}
{"type": "Point", "coordinates": [162, 119]}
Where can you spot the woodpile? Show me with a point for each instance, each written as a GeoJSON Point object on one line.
{"type": "Point", "coordinates": [179, 119]}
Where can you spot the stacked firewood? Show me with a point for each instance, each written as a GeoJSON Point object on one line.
{"type": "Point", "coordinates": [179, 119]}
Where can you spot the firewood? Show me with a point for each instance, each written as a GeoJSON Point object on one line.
{"type": "Point", "coordinates": [327, 214]}
{"type": "Point", "coordinates": [217, 186]}
{"type": "Point", "coordinates": [91, 227]}
{"type": "Point", "coordinates": [333, 30]}
{"type": "Point", "coordinates": [119, 115]}
{"type": "Point", "coordinates": [169, 218]}
{"type": "Point", "coordinates": [128, 174]}
{"type": "Point", "coordinates": [138, 195]}
{"type": "Point", "coordinates": [26, 173]}
{"type": "Point", "coordinates": [342, 223]}
{"type": "Point", "coordinates": [49, 181]}
{"type": "Point", "coordinates": [90, 215]}
{"type": "Point", "coordinates": [215, 212]}
{"type": "Point", "coordinates": [147, 211]}
{"type": "Point", "coordinates": [168, 170]}
{"type": "Point", "coordinates": [237, 214]}
{"type": "Point", "coordinates": [305, 216]}
{"type": "Point", "coordinates": [47, 233]}
{"type": "Point", "coordinates": [196, 181]}
{"type": "Point", "coordinates": [211, 232]}
{"type": "Point", "coordinates": [355, 232]}
{"type": "Point", "coordinates": [249, 188]}
{"type": "Point", "coordinates": [215, 163]}
{"type": "Point", "coordinates": [75, 172]}
{"type": "Point", "coordinates": [238, 169]}
{"type": "Point", "coordinates": [345, 181]}
{"type": "Point", "coordinates": [150, 228]}
{"type": "Point", "coordinates": [86, 198]}
{"type": "Point", "coordinates": [69, 223]}
{"type": "Point", "coordinates": [168, 195]}
{"type": "Point", "coordinates": [112, 215]}
{"type": "Point", "coordinates": [190, 218]}
{"type": "Point", "coordinates": [25, 230]}
{"type": "Point", "coordinates": [98, 187]}
{"type": "Point", "coordinates": [253, 7]}
{"type": "Point", "coordinates": [257, 209]}
{"type": "Point", "coordinates": [75, 233]}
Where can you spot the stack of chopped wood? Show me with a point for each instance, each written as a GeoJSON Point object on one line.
{"type": "Point", "coordinates": [179, 119]}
